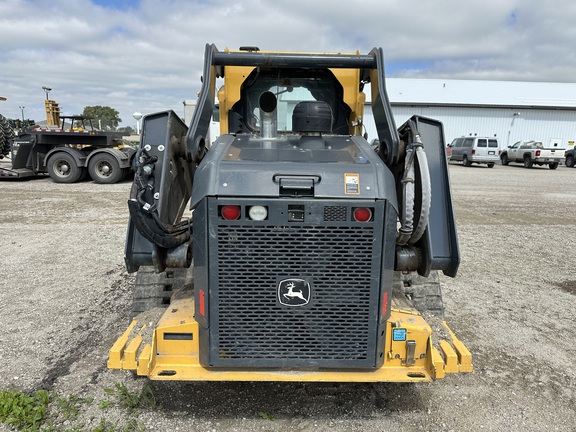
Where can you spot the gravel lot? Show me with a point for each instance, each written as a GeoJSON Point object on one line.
{"type": "Point", "coordinates": [65, 297]}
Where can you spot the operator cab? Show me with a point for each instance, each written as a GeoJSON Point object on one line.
{"type": "Point", "coordinates": [314, 91]}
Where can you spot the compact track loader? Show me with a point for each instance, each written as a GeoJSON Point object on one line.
{"type": "Point", "coordinates": [308, 254]}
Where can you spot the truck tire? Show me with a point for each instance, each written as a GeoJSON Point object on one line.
{"type": "Point", "coordinates": [570, 161]}
{"type": "Point", "coordinates": [6, 134]}
{"type": "Point", "coordinates": [504, 159]}
{"type": "Point", "coordinates": [104, 168]}
{"type": "Point", "coordinates": [62, 168]}
{"type": "Point", "coordinates": [528, 162]}
{"type": "Point", "coordinates": [153, 290]}
{"type": "Point", "coordinates": [490, 165]}
{"type": "Point", "coordinates": [424, 293]}
{"type": "Point", "coordinates": [466, 162]}
{"type": "Point", "coordinates": [553, 165]}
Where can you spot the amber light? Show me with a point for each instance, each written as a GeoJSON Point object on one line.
{"type": "Point", "coordinates": [362, 214]}
{"type": "Point", "coordinates": [230, 212]}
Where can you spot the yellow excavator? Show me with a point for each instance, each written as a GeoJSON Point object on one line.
{"type": "Point", "coordinates": [290, 248]}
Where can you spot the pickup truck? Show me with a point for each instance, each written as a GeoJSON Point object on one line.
{"type": "Point", "coordinates": [532, 153]}
{"type": "Point", "coordinates": [570, 157]}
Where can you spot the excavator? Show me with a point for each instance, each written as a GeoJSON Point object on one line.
{"type": "Point", "coordinates": [290, 248]}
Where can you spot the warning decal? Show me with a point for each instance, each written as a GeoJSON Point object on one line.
{"type": "Point", "coordinates": [351, 184]}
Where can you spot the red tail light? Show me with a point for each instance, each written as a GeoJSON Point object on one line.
{"type": "Point", "coordinates": [362, 214]}
{"type": "Point", "coordinates": [202, 302]}
{"type": "Point", "coordinates": [537, 153]}
{"type": "Point", "coordinates": [473, 151]}
{"type": "Point", "coordinates": [230, 212]}
{"type": "Point", "coordinates": [384, 304]}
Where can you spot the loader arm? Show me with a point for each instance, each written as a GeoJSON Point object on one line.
{"type": "Point", "coordinates": [162, 187]}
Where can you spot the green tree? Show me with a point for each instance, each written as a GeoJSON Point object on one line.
{"type": "Point", "coordinates": [127, 129]}
{"type": "Point", "coordinates": [104, 117]}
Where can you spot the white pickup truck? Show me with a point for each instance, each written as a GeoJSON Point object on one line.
{"type": "Point", "coordinates": [532, 153]}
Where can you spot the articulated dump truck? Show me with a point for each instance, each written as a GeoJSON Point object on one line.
{"type": "Point", "coordinates": [290, 248]}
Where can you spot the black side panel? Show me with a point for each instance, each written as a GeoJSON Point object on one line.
{"type": "Point", "coordinates": [22, 152]}
{"type": "Point", "coordinates": [440, 242]}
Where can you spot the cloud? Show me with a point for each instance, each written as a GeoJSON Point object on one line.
{"type": "Point", "coordinates": [147, 55]}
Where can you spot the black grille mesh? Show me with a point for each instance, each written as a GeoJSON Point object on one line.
{"type": "Point", "coordinates": [335, 213]}
{"type": "Point", "coordinates": [334, 326]}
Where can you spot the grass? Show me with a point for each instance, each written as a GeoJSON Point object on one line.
{"type": "Point", "coordinates": [24, 412]}
{"type": "Point", "coordinates": [128, 400]}
{"type": "Point", "coordinates": [39, 411]}
{"type": "Point", "coordinates": [70, 407]}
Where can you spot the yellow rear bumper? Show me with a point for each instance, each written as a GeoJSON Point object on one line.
{"type": "Point", "coordinates": [173, 353]}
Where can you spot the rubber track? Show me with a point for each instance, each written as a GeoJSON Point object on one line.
{"type": "Point", "coordinates": [425, 293]}
{"type": "Point", "coordinates": [153, 290]}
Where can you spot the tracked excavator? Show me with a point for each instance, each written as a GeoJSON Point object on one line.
{"type": "Point", "coordinates": [290, 248]}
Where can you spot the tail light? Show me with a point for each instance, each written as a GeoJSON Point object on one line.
{"type": "Point", "coordinates": [537, 153]}
{"type": "Point", "coordinates": [362, 214]}
{"type": "Point", "coordinates": [258, 213]}
{"type": "Point", "coordinates": [473, 151]}
{"type": "Point", "coordinates": [230, 212]}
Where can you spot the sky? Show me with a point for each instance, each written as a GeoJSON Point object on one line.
{"type": "Point", "coordinates": [147, 55]}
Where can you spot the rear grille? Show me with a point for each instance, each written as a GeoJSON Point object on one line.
{"type": "Point", "coordinates": [248, 324]}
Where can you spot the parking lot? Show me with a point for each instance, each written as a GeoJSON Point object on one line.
{"type": "Point", "coordinates": [65, 297]}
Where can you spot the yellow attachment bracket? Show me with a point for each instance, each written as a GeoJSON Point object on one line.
{"type": "Point", "coordinates": [170, 351]}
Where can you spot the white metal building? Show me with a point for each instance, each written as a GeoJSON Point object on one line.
{"type": "Point", "coordinates": [510, 110]}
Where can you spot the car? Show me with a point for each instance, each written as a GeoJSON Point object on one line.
{"type": "Point", "coordinates": [480, 150]}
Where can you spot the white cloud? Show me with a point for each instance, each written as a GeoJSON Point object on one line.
{"type": "Point", "coordinates": [149, 57]}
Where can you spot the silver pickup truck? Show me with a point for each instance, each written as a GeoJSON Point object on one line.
{"type": "Point", "coordinates": [532, 153]}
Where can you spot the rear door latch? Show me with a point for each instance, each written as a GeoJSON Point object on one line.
{"type": "Point", "coordinates": [295, 185]}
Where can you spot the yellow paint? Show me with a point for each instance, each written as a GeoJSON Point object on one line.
{"type": "Point", "coordinates": [176, 359]}
{"type": "Point", "coordinates": [234, 77]}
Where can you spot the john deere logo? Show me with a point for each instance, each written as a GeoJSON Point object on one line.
{"type": "Point", "coordinates": [294, 292]}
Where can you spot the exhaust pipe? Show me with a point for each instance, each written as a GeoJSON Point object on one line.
{"type": "Point", "coordinates": [268, 115]}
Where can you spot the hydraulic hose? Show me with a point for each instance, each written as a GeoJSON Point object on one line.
{"type": "Point", "coordinates": [407, 234]}
{"type": "Point", "coordinates": [426, 196]}
{"type": "Point", "coordinates": [145, 215]}
{"type": "Point", "coordinates": [407, 212]}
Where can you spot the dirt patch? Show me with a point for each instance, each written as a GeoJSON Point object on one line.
{"type": "Point", "coordinates": [568, 286]}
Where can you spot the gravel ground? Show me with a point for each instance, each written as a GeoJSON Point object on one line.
{"type": "Point", "coordinates": [65, 297]}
